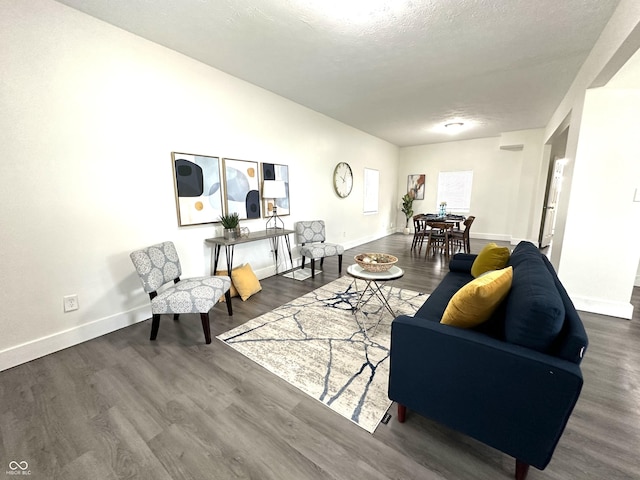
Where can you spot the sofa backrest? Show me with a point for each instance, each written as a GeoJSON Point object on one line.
{"type": "Point", "coordinates": [538, 312]}
{"type": "Point", "coordinates": [572, 342]}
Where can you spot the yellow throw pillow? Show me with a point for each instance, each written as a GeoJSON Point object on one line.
{"type": "Point", "coordinates": [474, 303]}
{"type": "Point", "coordinates": [232, 290]}
{"type": "Point", "coordinates": [491, 257]}
{"type": "Point", "coordinates": [245, 281]}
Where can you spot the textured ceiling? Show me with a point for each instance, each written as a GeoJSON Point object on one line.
{"type": "Point", "coordinates": [397, 69]}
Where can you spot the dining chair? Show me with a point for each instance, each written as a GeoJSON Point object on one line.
{"type": "Point", "coordinates": [158, 265]}
{"type": "Point", "coordinates": [420, 230]}
{"type": "Point", "coordinates": [460, 238]}
{"type": "Point", "coordinates": [312, 235]}
{"type": "Point", "coordinates": [439, 237]}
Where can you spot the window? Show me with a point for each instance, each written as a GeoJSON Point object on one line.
{"type": "Point", "coordinates": [371, 189]}
{"type": "Point", "coordinates": [455, 189]}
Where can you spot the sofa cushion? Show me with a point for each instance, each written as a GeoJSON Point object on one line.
{"type": "Point", "coordinates": [534, 310]}
{"type": "Point", "coordinates": [474, 303]}
{"type": "Point", "coordinates": [523, 252]}
{"type": "Point", "coordinates": [491, 257]}
{"type": "Point", "coordinates": [572, 341]}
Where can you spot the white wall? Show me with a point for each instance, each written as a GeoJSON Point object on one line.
{"type": "Point", "coordinates": [506, 190]}
{"type": "Point", "coordinates": [617, 42]}
{"type": "Point", "coordinates": [600, 271]}
{"type": "Point", "coordinates": [598, 164]}
{"type": "Point", "coordinates": [90, 115]}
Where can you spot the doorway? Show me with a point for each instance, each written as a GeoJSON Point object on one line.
{"type": "Point", "coordinates": [552, 192]}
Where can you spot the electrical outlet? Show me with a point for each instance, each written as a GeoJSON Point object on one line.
{"type": "Point", "coordinates": [70, 302]}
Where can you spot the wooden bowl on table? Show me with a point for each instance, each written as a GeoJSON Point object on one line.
{"type": "Point", "coordinates": [375, 262]}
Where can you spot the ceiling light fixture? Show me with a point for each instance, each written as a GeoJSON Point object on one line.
{"type": "Point", "coordinates": [454, 126]}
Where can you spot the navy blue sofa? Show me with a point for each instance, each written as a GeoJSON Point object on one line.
{"type": "Point", "coordinates": [511, 382]}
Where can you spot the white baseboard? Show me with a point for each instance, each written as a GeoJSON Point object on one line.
{"type": "Point", "coordinates": [603, 307]}
{"type": "Point", "coordinates": [40, 347]}
{"type": "Point", "coordinates": [491, 236]}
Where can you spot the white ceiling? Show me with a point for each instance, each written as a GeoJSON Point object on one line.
{"type": "Point", "coordinates": [397, 69]}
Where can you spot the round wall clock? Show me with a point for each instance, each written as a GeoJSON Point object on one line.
{"type": "Point", "coordinates": [343, 179]}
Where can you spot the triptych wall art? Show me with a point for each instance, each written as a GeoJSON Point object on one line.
{"type": "Point", "coordinates": [207, 187]}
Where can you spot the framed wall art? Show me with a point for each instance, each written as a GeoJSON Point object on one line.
{"type": "Point", "coordinates": [415, 186]}
{"type": "Point", "coordinates": [274, 171]}
{"type": "Point", "coordinates": [197, 188]}
{"type": "Point", "coordinates": [242, 187]}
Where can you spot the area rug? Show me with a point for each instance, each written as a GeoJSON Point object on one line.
{"type": "Point", "coordinates": [320, 346]}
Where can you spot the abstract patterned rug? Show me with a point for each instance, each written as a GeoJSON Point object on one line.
{"type": "Point", "coordinates": [318, 345]}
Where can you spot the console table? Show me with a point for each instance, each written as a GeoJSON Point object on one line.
{"type": "Point", "coordinates": [271, 234]}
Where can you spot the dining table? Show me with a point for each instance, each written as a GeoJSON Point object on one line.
{"type": "Point", "coordinates": [440, 228]}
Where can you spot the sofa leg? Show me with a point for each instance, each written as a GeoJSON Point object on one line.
{"type": "Point", "coordinates": [313, 267]}
{"type": "Point", "coordinates": [402, 413]}
{"type": "Point", "coordinates": [339, 264]}
{"type": "Point", "coordinates": [521, 470]}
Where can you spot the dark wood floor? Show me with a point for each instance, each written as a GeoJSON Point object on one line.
{"type": "Point", "coordinates": [121, 406]}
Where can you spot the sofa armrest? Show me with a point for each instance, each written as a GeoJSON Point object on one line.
{"type": "Point", "coordinates": [512, 398]}
{"type": "Point", "coordinates": [462, 262]}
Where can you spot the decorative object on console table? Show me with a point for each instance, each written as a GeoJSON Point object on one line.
{"type": "Point", "coordinates": [407, 209]}
{"type": "Point", "coordinates": [274, 171]}
{"type": "Point", "coordinates": [197, 188]}
{"type": "Point", "coordinates": [415, 186]}
{"type": "Point", "coordinates": [242, 188]}
{"type": "Point", "coordinates": [274, 189]}
{"type": "Point", "coordinates": [231, 225]}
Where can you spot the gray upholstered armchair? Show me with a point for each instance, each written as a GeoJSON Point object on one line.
{"type": "Point", "coordinates": [159, 264]}
{"type": "Point", "coordinates": [311, 235]}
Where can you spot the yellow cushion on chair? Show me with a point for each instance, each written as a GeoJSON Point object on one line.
{"type": "Point", "coordinates": [491, 257]}
{"type": "Point", "coordinates": [474, 303]}
{"type": "Point", "coordinates": [245, 281]}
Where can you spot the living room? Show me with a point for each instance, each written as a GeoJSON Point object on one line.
{"type": "Point", "coordinates": [92, 114]}
{"type": "Point", "coordinates": [95, 113]}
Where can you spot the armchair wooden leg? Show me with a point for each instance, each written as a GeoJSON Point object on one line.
{"type": "Point", "coordinates": [227, 298]}
{"type": "Point", "coordinates": [322, 262]}
{"type": "Point", "coordinates": [402, 413]}
{"type": "Point", "coordinates": [155, 325]}
{"type": "Point", "coordinates": [521, 470]}
{"type": "Point", "coordinates": [204, 317]}
{"type": "Point", "coordinates": [313, 267]}
{"type": "Point", "coordinates": [176, 316]}
{"type": "Point", "coordinates": [339, 264]}
{"type": "Point", "coordinates": [302, 265]}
